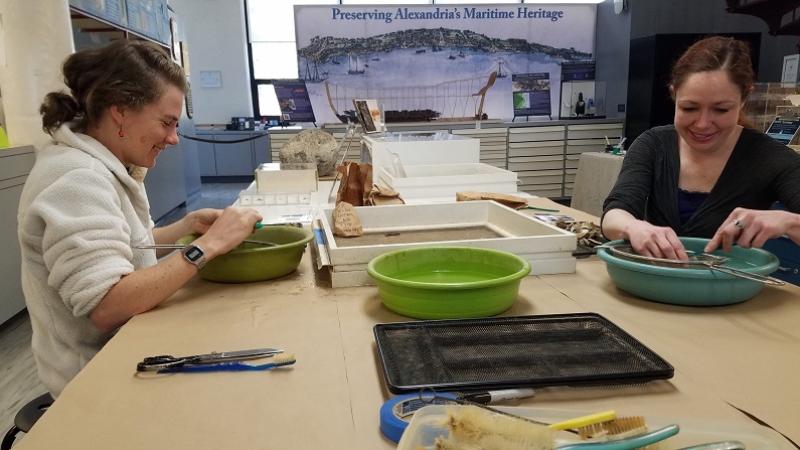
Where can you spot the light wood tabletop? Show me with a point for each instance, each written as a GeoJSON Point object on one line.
{"type": "Point", "coordinates": [744, 356]}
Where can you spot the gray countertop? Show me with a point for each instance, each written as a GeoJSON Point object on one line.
{"type": "Point", "coordinates": [16, 150]}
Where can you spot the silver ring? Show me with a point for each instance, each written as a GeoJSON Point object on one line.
{"type": "Point", "coordinates": [738, 224]}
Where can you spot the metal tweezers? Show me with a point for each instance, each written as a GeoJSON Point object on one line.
{"type": "Point", "coordinates": [162, 362]}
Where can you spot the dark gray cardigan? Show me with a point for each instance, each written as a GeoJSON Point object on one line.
{"type": "Point", "coordinates": [759, 172]}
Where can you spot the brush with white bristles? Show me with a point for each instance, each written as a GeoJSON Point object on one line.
{"type": "Point", "coordinates": [478, 428]}
{"type": "Point", "coordinates": [474, 427]}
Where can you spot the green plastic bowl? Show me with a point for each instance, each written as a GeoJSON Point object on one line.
{"type": "Point", "coordinates": [253, 262]}
{"type": "Point", "coordinates": [693, 287]}
{"type": "Point", "coordinates": [448, 282]}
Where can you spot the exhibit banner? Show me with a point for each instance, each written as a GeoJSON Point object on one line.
{"type": "Point", "coordinates": [425, 62]}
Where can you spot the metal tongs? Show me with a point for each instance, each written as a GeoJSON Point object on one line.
{"type": "Point", "coordinates": [349, 132]}
{"type": "Point", "coordinates": [161, 362]}
{"type": "Point", "coordinates": [182, 246]}
{"type": "Point", "coordinates": [712, 262]}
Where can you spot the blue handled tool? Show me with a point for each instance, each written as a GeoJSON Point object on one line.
{"type": "Point", "coordinates": [163, 362]}
{"type": "Point", "coordinates": [631, 443]}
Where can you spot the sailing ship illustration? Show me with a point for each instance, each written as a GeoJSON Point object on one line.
{"type": "Point", "coordinates": [312, 72]}
{"type": "Point", "coordinates": [354, 66]}
{"type": "Point", "coordinates": [500, 73]}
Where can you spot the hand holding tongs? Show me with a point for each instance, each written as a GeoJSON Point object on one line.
{"type": "Point", "coordinates": [167, 362]}
{"type": "Point", "coordinates": [712, 262]}
{"type": "Point", "coordinates": [182, 246]}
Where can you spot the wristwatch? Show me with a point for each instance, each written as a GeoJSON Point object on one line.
{"type": "Point", "coordinates": [194, 255]}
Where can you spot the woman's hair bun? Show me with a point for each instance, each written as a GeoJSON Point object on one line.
{"type": "Point", "coordinates": [58, 108]}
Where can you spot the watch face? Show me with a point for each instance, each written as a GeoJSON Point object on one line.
{"type": "Point", "coordinates": [194, 253]}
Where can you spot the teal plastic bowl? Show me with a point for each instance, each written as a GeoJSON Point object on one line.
{"type": "Point", "coordinates": [252, 262]}
{"type": "Point", "coordinates": [448, 282]}
{"type": "Point", "coordinates": [691, 286]}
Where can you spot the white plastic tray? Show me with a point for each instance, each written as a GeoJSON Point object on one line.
{"type": "Point", "coordinates": [518, 233]}
{"type": "Point", "coordinates": [429, 422]}
{"type": "Point", "coordinates": [419, 148]}
{"type": "Point", "coordinates": [440, 180]}
{"type": "Point", "coordinates": [547, 247]}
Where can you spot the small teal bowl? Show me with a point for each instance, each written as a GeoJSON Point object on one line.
{"type": "Point", "coordinates": [691, 286]}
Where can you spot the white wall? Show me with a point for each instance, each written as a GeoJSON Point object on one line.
{"type": "Point", "coordinates": [215, 35]}
{"type": "Point", "coordinates": [36, 38]}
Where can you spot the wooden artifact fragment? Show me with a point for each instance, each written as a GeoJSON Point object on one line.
{"type": "Point", "coordinates": [512, 201]}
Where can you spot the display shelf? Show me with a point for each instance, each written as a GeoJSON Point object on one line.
{"type": "Point", "coordinates": [88, 21]}
{"type": "Point", "coordinates": [493, 144]}
{"type": "Point", "coordinates": [770, 100]}
{"type": "Point", "coordinates": [220, 159]}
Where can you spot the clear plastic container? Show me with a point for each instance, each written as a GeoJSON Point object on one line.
{"type": "Point", "coordinates": [430, 422]}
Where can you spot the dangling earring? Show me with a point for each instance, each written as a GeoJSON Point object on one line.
{"type": "Point", "coordinates": [121, 133]}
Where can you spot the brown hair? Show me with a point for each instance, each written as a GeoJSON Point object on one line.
{"type": "Point", "coordinates": [717, 53]}
{"type": "Point", "coordinates": [125, 73]}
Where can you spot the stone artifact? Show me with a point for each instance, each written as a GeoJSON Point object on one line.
{"type": "Point", "coordinates": [345, 221]}
{"type": "Point", "coordinates": [311, 146]}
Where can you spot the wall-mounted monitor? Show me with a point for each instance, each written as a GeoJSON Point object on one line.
{"type": "Point", "coordinates": [293, 100]}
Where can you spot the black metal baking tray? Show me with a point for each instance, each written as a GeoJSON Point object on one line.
{"type": "Point", "coordinates": [508, 352]}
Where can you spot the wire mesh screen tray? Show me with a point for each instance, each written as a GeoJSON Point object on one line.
{"type": "Point", "coordinates": [507, 352]}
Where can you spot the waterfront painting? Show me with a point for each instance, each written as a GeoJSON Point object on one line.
{"type": "Point", "coordinates": [430, 62]}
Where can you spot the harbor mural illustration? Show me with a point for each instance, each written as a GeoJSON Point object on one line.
{"type": "Point", "coordinates": [431, 62]}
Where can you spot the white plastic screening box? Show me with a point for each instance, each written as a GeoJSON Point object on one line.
{"type": "Point", "coordinates": [419, 148]}
{"type": "Point", "coordinates": [443, 180]}
{"type": "Point", "coordinates": [272, 178]}
{"type": "Point", "coordinates": [484, 224]}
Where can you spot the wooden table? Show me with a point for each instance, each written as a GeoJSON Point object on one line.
{"type": "Point", "coordinates": [746, 355]}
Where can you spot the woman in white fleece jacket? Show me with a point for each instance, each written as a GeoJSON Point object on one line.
{"type": "Point", "coordinates": [84, 206]}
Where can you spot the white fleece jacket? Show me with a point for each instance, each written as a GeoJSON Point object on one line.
{"type": "Point", "coordinates": [79, 216]}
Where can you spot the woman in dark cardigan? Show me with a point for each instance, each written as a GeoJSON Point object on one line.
{"type": "Point", "coordinates": [707, 175]}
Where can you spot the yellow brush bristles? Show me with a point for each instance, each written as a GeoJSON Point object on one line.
{"type": "Point", "coordinates": [284, 359]}
{"type": "Point", "coordinates": [476, 428]}
{"type": "Point", "coordinates": [619, 428]}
